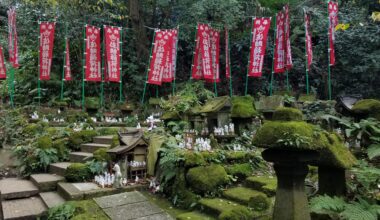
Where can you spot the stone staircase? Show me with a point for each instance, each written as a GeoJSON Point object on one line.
{"type": "Point", "coordinates": [30, 199]}
{"type": "Point", "coordinates": [255, 192]}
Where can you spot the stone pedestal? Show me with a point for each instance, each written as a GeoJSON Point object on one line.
{"type": "Point", "coordinates": [291, 169]}
{"type": "Point", "coordinates": [331, 181]}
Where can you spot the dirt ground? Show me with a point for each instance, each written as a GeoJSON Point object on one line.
{"type": "Point", "coordinates": [7, 165]}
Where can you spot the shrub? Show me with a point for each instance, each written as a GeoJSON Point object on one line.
{"type": "Point", "coordinates": [77, 172]}
{"type": "Point", "coordinates": [92, 103]}
{"type": "Point", "coordinates": [102, 155]}
{"type": "Point", "coordinates": [60, 145]}
{"type": "Point", "coordinates": [61, 212]}
{"type": "Point", "coordinates": [287, 114]}
{"type": "Point", "coordinates": [44, 142]}
{"type": "Point", "coordinates": [205, 179]}
{"type": "Point", "coordinates": [242, 107]}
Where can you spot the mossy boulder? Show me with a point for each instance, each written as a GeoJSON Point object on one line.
{"type": "Point", "coordinates": [77, 172]}
{"type": "Point", "coordinates": [92, 103]}
{"type": "Point", "coordinates": [81, 137]}
{"type": "Point", "coordinates": [242, 107]}
{"type": "Point", "coordinates": [193, 159]}
{"type": "Point", "coordinates": [44, 142]}
{"type": "Point", "coordinates": [236, 156]}
{"type": "Point", "coordinates": [368, 107]}
{"type": "Point", "coordinates": [217, 206]}
{"type": "Point", "coordinates": [238, 213]}
{"type": "Point", "coordinates": [205, 179]}
{"type": "Point", "coordinates": [287, 114]}
{"type": "Point", "coordinates": [256, 200]}
{"type": "Point", "coordinates": [102, 155]}
{"type": "Point", "coordinates": [212, 157]}
{"type": "Point", "coordinates": [239, 170]}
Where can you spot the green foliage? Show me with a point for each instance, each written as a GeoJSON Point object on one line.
{"type": "Point", "coordinates": [61, 212]}
{"type": "Point", "coordinates": [102, 155]}
{"type": "Point", "coordinates": [170, 158]}
{"type": "Point", "coordinates": [327, 205]}
{"type": "Point", "coordinates": [205, 179]}
{"type": "Point", "coordinates": [87, 209]}
{"type": "Point", "coordinates": [365, 180]}
{"type": "Point", "coordinates": [239, 170]}
{"type": "Point", "coordinates": [44, 142]}
{"type": "Point", "coordinates": [242, 107]}
{"type": "Point", "coordinates": [77, 172]}
{"type": "Point", "coordinates": [373, 151]}
{"type": "Point", "coordinates": [95, 167]}
{"type": "Point", "coordinates": [92, 102]}
{"type": "Point", "coordinates": [287, 114]}
{"type": "Point", "coordinates": [177, 127]}
{"type": "Point", "coordinates": [193, 159]}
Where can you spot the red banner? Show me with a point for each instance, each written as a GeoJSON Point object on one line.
{"type": "Point", "coordinates": [202, 67]}
{"type": "Point", "coordinates": [288, 49]}
{"type": "Point", "coordinates": [47, 30]}
{"type": "Point", "coordinates": [112, 46]}
{"type": "Point", "coordinates": [93, 60]}
{"type": "Point", "coordinates": [3, 70]}
{"type": "Point", "coordinates": [197, 59]}
{"type": "Point", "coordinates": [260, 30]}
{"type": "Point", "coordinates": [279, 52]}
{"type": "Point", "coordinates": [12, 38]}
{"type": "Point", "coordinates": [162, 44]}
{"type": "Point", "coordinates": [170, 58]}
{"type": "Point", "coordinates": [67, 67]}
{"type": "Point", "coordinates": [215, 54]}
{"type": "Point", "coordinates": [228, 70]}
{"type": "Point", "coordinates": [333, 22]}
{"type": "Point", "coordinates": [308, 43]}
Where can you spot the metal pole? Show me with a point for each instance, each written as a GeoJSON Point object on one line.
{"type": "Point", "coordinates": [229, 61]}
{"type": "Point", "coordinates": [39, 72]}
{"type": "Point", "coordinates": [147, 69]}
{"type": "Point", "coordinates": [64, 62]}
{"type": "Point", "coordinates": [121, 66]}
{"type": "Point", "coordinates": [84, 65]}
{"type": "Point", "coordinates": [249, 56]}
{"type": "Point", "coordinates": [274, 48]}
{"type": "Point", "coordinates": [102, 73]}
{"type": "Point", "coordinates": [328, 52]}
{"type": "Point", "coordinates": [176, 51]}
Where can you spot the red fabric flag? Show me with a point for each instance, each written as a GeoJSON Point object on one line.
{"type": "Point", "coordinates": [288, 49]}
{"type": "Point", "coordinates": [170, 58]}
{"type": "Point", "coordinates": [228, 70]}
{"type": "Point", "coordinates": [333, 22]}
{"type": "Point", "coordinates": [112, 46]}
{"type": "Point", "coordinates": [93, 60]}
{"type": "Point", "coordinates": [67, 64]}
{"type": "Point", "coordinates": [260, 30]}
{"type": "Point", "coordinates": [202, 67]}
{"type": "Point", "coordinates": [197, 59]}
{"type": "Point", "coordinates": [215, 54]}
{"type": "Point", "coordinates": [12, 38]}
{"type": "Point", "coordinates": [279, 52]}
{"type": "Point", "coordinates": [308, 43]}
{"type": "Point", "coordinates": [157, 63]}
{"type": "Point", "coordinates": [3, 70]}
{"type": "Point", "coordinates": [47, 30]}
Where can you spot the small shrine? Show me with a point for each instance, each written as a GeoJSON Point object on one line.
{"type": "Point", "coordinates": [216, 112]}
{"type": "Point", "coordinates": [132, 153]}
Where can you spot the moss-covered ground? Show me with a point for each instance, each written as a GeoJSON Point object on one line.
{"type": "Point", "coordinates": [87, 209]}
{"type": "Point", "coordinates": [164, 204]}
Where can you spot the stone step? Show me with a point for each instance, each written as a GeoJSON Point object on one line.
{"type": "Point", "coordinates": [52, 199]}
{"type": "Point", "coordinates": [14, 188]}
{"type": "Point", "coordinates": [265, 184]}
{"type": "Point", "coordinates": [194, 216]}
{"type": "Point", "coordinates": [80, 157]}
{"type": "Point", "coordinates": [216, 206]}
{"type": "Point", "coordinates": [59, 168]}
{"type": "Point", "coordinates": [107, 139]}
{"type": "Point", "coordinates": [92, 147]}
{"type": "Point", "coordinates": [46, 182]}
{"type": "Point", "coordinates": [249, 197]}
{"type": "Point", "coordinates": [26, 209]}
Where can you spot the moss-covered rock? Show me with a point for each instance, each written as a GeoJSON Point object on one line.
{"type": "Point", "coordinates": [92, 102]}
{"type": "Point", "coordinates": [193, 159]}
{"type": "Point", "coordinates": [183, 196]}
{"type": "Point", "coordinates": [236, 156]}
{"type": "Point", "coordinates": [216, 206]}
{"type": "Point", "coordinates": [256, 200]}
{"type": "Point", "coordinates": [205, 179]}
{"type": "Point", "coordinates": [194, 216]}
{"type": "Point", "coordinates": [102, 155]}
{"type": "Point", "coordinates": [239, 170]}
{"type": "Point", "coordinates": [87, 209]}
{"type": "Point", "coordinates": [266, 184]}
{"type": "Point", "coordinates": [238, 213]}
{"type": "Point", "coordinates": [77, 172]}
{"type": "Point", "coordinates": [44, 142]}
{"type": "Point", "coordinates": [81, 137]}
{"type": "Point", "coordinates": [287, 114]}
{"type": "Point", "coordinates": [242, 107]}
{"type": "Point", "coordinates": [307, 98]}
{"type": "Point", "coordinates": [212, 157]}
{"type": "Point", "coordinates": [368, 107]}
{"type": "Point", "coordinates": [154, 101]}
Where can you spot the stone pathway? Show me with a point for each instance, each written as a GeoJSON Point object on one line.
{"type": "Point", "coordinates": [131, 205]}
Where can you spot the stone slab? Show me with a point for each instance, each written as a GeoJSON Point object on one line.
{"type": "Point", "coordinates": [28, 208]}
{"type": "Point", "coordinates": [80, 157]}
{"type": "Point", "coordinates": [52, 199]}
{"type": "Point", "coordinates": [85, 186]}
{"type": "Point", "coordinates": [133, 211]}
{"type": "Point", "coordinates": [107, 139]}
{"type": "Point", "coordinates": [92, 147]}
{"type": "Point", "coordinates": [13, 188]}
{"type": "Point", "coordinates": [160, 216]}
{"type": "Point", "coordinates": [46, 182]}
{"type": "Point", "coordinates": [59, 168]}
{"type": "Point", "coordinates": [120, 199]}
{"type": "Point", "coordinates": [69, 192]}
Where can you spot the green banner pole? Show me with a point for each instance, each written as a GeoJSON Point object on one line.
{"type": "Point", "coordinates": [176, 52]}
{"type": "Point", "coordinates": [84, 66]}
{"type": "Point", "coordinates": [64, 63]}
{"type": "Point", "coordinates": [328, 53]}
{"type": "Point", "coordinates": [147, 69]}
{"type": "Point", "coordinates": [102, 73]}
{"type": "Point", "coordinates": [229, 62]}
{"type": "Point", "coordinates": [287, 81]}
{"type": "Point", "coordinates": [249, 56]}
{"type": "Point", "coordinates": [11, 84]}
{"type": "Point", "coordinates": [274, 48]}
{"type": "Point", "coordinates": [306, 61]}
{"type": "Point", "coordinates": [39, 73]}
{"type": "Point", "coordinates": [121, 66]}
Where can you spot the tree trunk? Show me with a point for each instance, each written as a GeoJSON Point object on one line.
{"type": "Point", "coordinates": [137, 23]}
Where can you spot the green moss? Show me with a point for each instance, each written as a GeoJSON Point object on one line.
{"type": "Point", "coordinates": [181, 194]}
{"type": "Point", "coordinates": [217, 206]}
{"type": "Point", "coordinates": [291, 135]}
{"type": "Point", "coordinates": [215, 104]}
{"type": "Point", "coordinates": [256, 200]}
{"type": "Point", "coordinates": [52, 131]}
{"type": "Point", "coordinates": [236, 214]}
{"type": "Point", "coordinates": [61, 146]}
{"type": "Point", "coordinates": [287, 114]}
{"type": "Point", "coordinates": [77, 172]}
{"type": "Point", "coordinates": [213, 156]}
{"type": "Point", "coordinates": [236, 156]}
{"type": "Point", "coordinates": [81, 137]}
{"type": "Point", "coordinates": [31, 129]}
{"type": "Point", "coordinates": [92, 102]}
{"type": "Point", "coordinates": [170, 115]}
{"type": "Point", "coordinates": [307, 98]}
{"type": "Point", "coordinates": [205, 179]}
{"type": "Point", "coordinates": [242, 107]}
{"type": "Point", "coordinates": [108, 131]}
{"type": "Point", "coordinates": [193, 159]}
{"type": "Point", "coordinates": [87, 209]}
{"type": "Point", "coordinates": [60, 103]}
{"type": "Point", "coordinates": [194, 216]}
{"type": "Point", "coordinates": [370, 107]}
{"type": "Point", "coordinates": [154, 101]}
{"type": "Point", "coordinates": [44, 142]}
{"type": "Point", "coordinates": [265, 184]}
{"type": "Point", "coordinates": [239, 170]}
{"type": "Point", "coordinates": [102, 155]}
